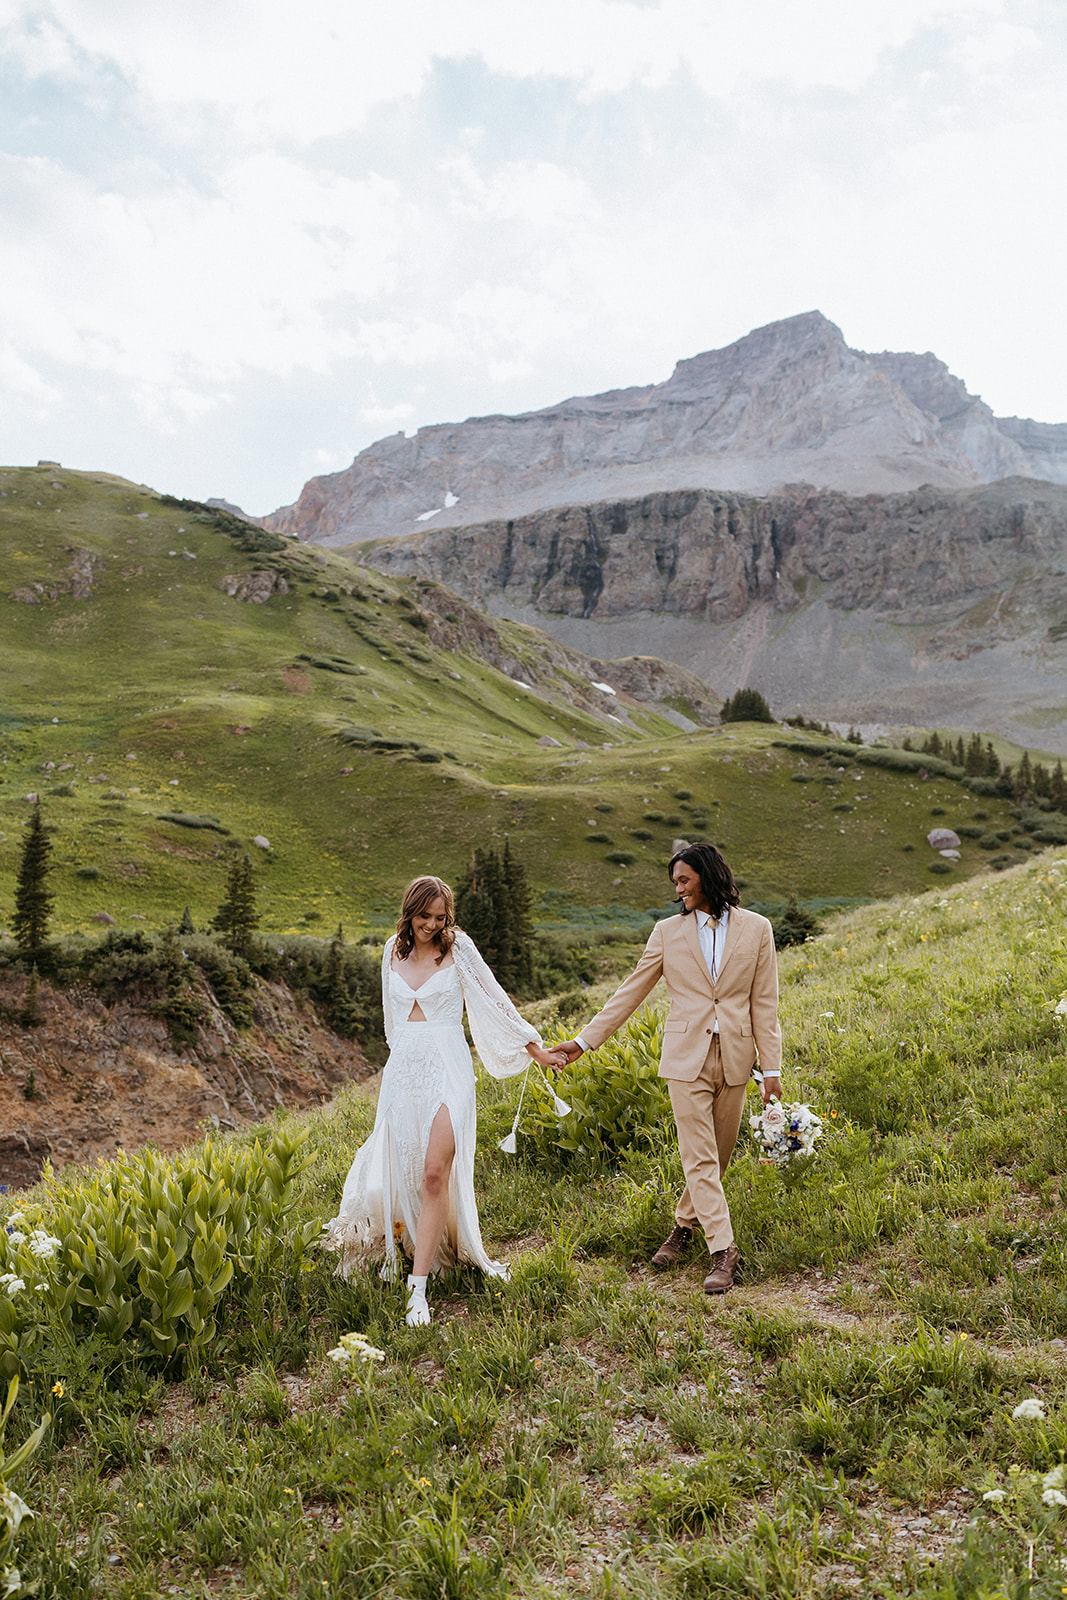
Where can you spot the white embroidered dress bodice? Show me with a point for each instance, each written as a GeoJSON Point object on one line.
{"type": "Point", "coordinates": [429, 1066]}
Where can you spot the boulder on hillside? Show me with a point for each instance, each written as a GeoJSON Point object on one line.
{"type": "Point", "coordinates": [943, 839]}
{"type": "Point", "coordinates": [255, 587]}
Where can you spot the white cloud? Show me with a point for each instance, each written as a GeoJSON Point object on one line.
{"type": "Point", "coordinates": [412, 214]}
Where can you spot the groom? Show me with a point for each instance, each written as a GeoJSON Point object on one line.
{"type": "Point", "coordinates": [719, 966]}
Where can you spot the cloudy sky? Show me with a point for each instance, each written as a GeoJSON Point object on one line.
{"type": "Point", "coordinates": [241, 239]}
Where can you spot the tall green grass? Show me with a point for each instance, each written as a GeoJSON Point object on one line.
{"type": "Point", "coordinates": [841, 1423]}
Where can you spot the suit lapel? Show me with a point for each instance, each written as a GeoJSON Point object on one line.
{"type": "Point", "coordinates": [733, 934]}
{"type": "Point", "coordinates": [691, 928]}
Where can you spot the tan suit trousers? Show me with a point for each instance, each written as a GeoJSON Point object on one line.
{"type": "Point", "coordinates": [707, 1112]}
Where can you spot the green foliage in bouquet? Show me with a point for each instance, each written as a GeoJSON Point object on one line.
{"type": "Point", "coordinates": [618, 1101]}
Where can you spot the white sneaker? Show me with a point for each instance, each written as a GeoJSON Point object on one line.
{"type": "Point", "coordinates": [418, 1312]}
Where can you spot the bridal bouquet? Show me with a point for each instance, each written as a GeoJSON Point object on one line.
{"type": "Point", "coordinates": [785, 1132]}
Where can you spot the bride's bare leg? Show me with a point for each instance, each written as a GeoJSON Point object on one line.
{"type": "Point", "coordinates": [437, 1168]}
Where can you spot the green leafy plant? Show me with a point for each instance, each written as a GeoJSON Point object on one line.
{"type": "Point", "coordinates": [147, 1246]}
{"type": "Point", "coordinates": [618, 1100]}
{"type": "Point", "coordinates": [14, 1510]}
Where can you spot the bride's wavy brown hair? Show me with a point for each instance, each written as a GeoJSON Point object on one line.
{"type": "Point", "coordinates": [419, 896]}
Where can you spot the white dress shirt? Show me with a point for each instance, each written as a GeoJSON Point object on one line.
{"type": "Point", "coordinates": [712, 943]}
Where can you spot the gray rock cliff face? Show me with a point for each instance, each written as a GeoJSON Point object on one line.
{"type": "Point", "coordinates": [935, 607]}
{"type": "Point", "coordinates": [790, 402]}
{"type": "Point", "coordinates": [921, 557]}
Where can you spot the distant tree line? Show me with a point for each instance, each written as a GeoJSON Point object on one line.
{"type": "Point", "coordinates": [1026, 783]}
{"type": "Point", "coordinates": [344, 982]}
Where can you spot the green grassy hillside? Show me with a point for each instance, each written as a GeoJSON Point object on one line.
{"type": "Point", "coordinates": [846, 1422]}
{"type": "Point", "coordinates": [139, 698]}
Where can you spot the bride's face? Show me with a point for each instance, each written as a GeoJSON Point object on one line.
{"type": "Point", "coordinates": [426, 925]}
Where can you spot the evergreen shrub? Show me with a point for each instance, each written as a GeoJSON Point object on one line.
{"type": "Point", "coordinates": [599, 838]}
{"type": "Point", "coordinates": [621, 858]}
{"type": "Point", "coordinates": [193, 819]}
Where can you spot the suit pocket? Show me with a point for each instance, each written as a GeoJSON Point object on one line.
{"type": "Point", "coordinates": [675, 1025]}
{"type": "Point", "coordinates": [746, 1030]}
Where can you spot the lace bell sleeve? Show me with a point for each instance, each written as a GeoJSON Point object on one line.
{"type": "Point", "coordinates": [387, 997]}
{"type": "Point", "coordinates": [500, 1034]}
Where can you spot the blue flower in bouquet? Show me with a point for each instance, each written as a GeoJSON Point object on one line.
{"type": "Point", "coordinates": [785, 1133]}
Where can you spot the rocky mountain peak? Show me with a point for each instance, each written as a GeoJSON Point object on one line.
{"type": "Point", "coordinates": [790, 402]}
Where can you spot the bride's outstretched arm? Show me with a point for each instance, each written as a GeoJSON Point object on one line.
{"type": "Point", "coordinates": [501, 1036]}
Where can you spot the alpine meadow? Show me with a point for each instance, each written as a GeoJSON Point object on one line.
{"type": "Point", "coordinates": [227, 744]}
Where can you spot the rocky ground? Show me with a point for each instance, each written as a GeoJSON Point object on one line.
{"type": "Point", "coordinates": [92, 1077]}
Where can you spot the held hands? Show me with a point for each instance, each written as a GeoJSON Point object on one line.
{"type": "Point", "coordinates": [554, 1058]}
{"type": "Point", "coordinates": [567, 1052]}
{"type": "Point", "coordinates": [771, 1089]}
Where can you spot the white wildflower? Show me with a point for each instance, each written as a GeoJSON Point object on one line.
{"type": "Point", "coordinates": [1054, 1497]}
{"type": "Point", "coordinates": [355, 1347]}
{"type": "Point", "coordinates": [995, 1495]}
{"type": "Point", "coordinates": [825, 1013]}
{"type": "Point", "coordinates": [1053, 1479]}
{"type": "Point", "coordinates": [11, 1578]}
{"type": "Point", "coordinates": [16, 1237]}
{"type": "Point", "coordinates": [1032, 1410]}
{"type": "Point", "coordinates": [12, 1285]}
{"type": "Point", "coordinates": [1061, 1009]}
{"type": "Point", "coordinates": [43, 1244]}
{"type": "Point", "coordinates": [16, 1219]}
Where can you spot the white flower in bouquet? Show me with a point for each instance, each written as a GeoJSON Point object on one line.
{"type": "Point", "coordinates": [774, 1120]}
{"type": "Point", "coordinates": [786, 1131]}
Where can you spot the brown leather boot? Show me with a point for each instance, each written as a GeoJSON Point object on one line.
{"type": "Point", "coordinates": [671, 1249]}
{"type": "Point", "coordinates": [723, 1267]}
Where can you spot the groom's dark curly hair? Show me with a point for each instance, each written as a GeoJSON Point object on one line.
{"type": "Point", "coordinates": [716, 879]}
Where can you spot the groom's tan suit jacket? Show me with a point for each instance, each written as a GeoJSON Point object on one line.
{"type": "Point", "coordinates": [743, 998]}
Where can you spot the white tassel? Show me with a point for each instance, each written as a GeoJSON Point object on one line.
{"type": "Point", "coordinates": [562, 1109]}
{"type": "Point", "coordinates": [509, 1145]}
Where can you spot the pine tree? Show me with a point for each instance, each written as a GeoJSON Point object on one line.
{"type": "Point", "coordinates": [974, 761]}
{"type": "Point", "coordinates": [747, 705]}
{"type": "Point", "coordinates": [236, 918]}
{"type": "Point", "coordinates": [794, 925]}
{"type": "Point", "coordinates": [516, 958]}
{"type": "Point", "coordinates": [33, 901]}
{"type": "Point", "coordinates": [1057, 789]}
{"type": "Point", "coordinates": [30, 1016]}
{"type": "Point", "coordinates": [186, 925]}
{"type": "Point", "coordinates": [992, 761]}
{"type": "Point", "coordinates": [958, 754]}
{"type": "Point", "coordinates": [1041, 779]}
{"type": "Point", "coordinates": [1024, 777]}
{"type": "Point", "coordinates": [479, 904]}
{"type": "Point", "coordinates": [933, 745]}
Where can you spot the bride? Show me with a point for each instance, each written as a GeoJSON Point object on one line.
{"type": "Point", "coordinates": [412, 1183]}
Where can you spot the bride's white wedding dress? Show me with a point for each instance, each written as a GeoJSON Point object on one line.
{"type": "Point", "coordinates": [429, 1066]}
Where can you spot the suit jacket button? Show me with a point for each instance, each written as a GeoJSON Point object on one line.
{"type": "Point", "coordinates": [709, 1030]}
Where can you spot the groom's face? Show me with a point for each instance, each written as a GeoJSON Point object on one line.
{"type": "Point", "coordinates": [690, 891]}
